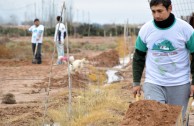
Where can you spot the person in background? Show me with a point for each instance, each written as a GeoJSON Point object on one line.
{"type": "Point", "coordinates": [59, 37]}
{"type": "Point", "coordinates": [191, 22]}
{"type": "Point", "coordinates": [37, 37]}
{"type": "Point", "coordinates": [164, 46]}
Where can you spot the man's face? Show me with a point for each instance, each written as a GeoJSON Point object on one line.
{"type": "Point", "coordinates": [36, 23]}
{"type": "Point", "coordinates": [160, 13]}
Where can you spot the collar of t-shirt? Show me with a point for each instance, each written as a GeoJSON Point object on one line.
{"type": "Point", "coordinates": [166, 23]}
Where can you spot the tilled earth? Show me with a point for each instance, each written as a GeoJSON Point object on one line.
{"type": "Point", "coordinates": [28, 83]}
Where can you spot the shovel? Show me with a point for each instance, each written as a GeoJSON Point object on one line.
{"type": "Point", "coordinates": [189, 107]}
{"type": "Point", "coordinates": [34, 60]}
{"type": "Point", "coordinates": [137, 98]}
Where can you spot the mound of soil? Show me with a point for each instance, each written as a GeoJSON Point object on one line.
{"type": "Point", "coordinates": [151, 113]}
{"type": "Point", "coordinates": [106, 59]}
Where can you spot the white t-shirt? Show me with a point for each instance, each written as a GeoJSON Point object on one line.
{"type": "Point", "coordinates": [37, 33]}
{"type": "Point", "coordinates": [62, 29]}
{"type": "Point", "coordinates": [167, 59]}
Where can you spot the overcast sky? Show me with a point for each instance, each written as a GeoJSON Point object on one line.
{"type": "Point", "coordinates": [93, 11]}
{"type": "Point", "coordinates": [110, 11]}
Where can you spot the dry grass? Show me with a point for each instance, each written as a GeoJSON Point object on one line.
{"type": "Point", "coordinates": [96, 75]}
{"type": "Point", "coordinates": [15, 50]}
{"type": "Point", "coordinates": [122, 47]}
{"type": "Point", "coordinates": [21, 48]}
{"type": "Point", "coordinates": [125, 48]}
{"type": "Point", "coordinates": [91, 46]}
{"type": "Point", "coordinates": [97, 106]}
{"type": "Point", "coordinates": [5, 52]}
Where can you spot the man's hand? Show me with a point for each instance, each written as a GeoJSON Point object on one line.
{"type": "Point", "coordinates": [192, 91]}
{"type": "Point", "coordinates": [136, 91]}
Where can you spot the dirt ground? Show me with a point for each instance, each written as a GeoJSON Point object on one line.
{"type": "Point", "coordinates": [28, 82]}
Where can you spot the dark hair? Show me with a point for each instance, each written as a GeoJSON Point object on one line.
{"type": "Point", "coordinates": [165, 3]}
{"type": "Point", "coordinates": [59, 18]}
{"type": "Point", "coordinates": [36, 19]}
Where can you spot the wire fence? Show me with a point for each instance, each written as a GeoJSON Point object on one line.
{"type": "Point", "coordinates": [183, 9]}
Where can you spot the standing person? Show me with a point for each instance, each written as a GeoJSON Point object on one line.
{"type": "Point", "coordinates": [163, 47]}
{"type": "Point", "coordinates": [191, 22]}
{"type": "Point", "coordinates": [37, 36]}
{"type": "Point", "coordinates": [60, 34]}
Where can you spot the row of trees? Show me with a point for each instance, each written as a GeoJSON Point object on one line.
{"type": "Point", "coordinates": [74, 30]}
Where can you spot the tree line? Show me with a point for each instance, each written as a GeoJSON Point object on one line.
{"type": "Point", "coordinates": [74, 30]}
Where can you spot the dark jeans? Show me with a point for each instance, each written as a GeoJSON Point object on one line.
{"type": "Point", "coordinates": [38, 52]}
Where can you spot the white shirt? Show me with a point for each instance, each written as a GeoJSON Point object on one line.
{"type": "Point", "coordinates": [167, 59]}
{"type": "Point", "coordinates": [62, 29]}
{"type": "Point", "coordinates": [37, 33]}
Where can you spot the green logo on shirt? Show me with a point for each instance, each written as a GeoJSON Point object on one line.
{"type": "Point", "coordinates": [164, 46]}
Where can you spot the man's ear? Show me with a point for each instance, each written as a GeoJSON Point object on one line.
{"type": "Point", "coordinates": [170, 8]}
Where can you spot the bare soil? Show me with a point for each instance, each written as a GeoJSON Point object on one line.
{"type": "Point", "coordinates": [151, 113]}
{"type": "Point", "coordinates": [106, 59]}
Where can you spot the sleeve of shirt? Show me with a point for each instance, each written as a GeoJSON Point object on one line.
{"type": "Point", "coordinates": [30, 29]}
{"type": "Point", "coordinates": [188, 32]}
{"type": "Point", "coordinates": [190, 43]}
{"type": "Point", "coordinates": [62, 28]}
{"type": "Point", "coordinates": [138, 65]}
{"type": "Point", "coordinates": [139, 56]}
{"type": "Point", "coordinates": [140, 45]}
{"type": "Point", "coordinates": [41, 30]}
{"type": "Point", "coordinates": [141, 39]}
